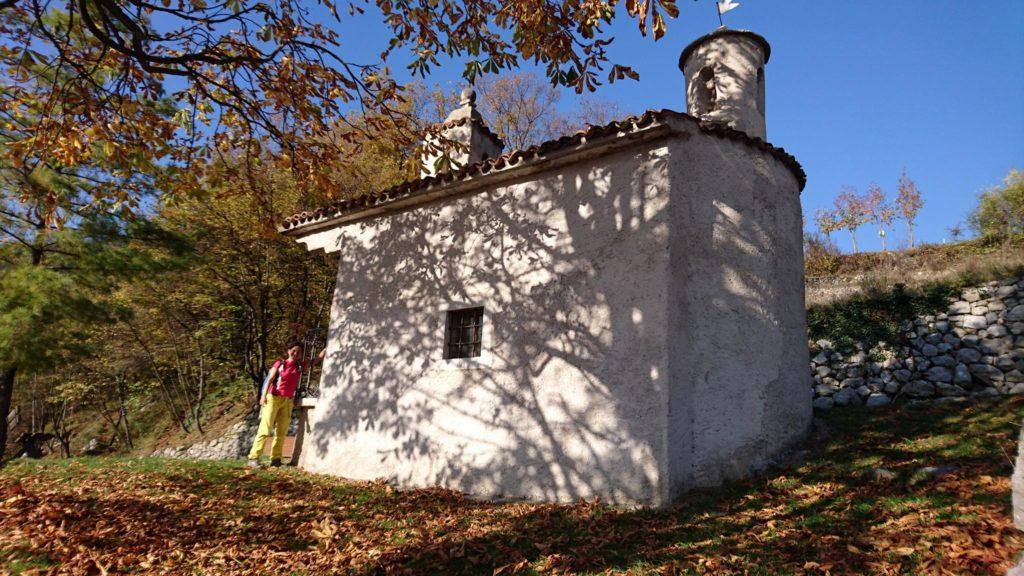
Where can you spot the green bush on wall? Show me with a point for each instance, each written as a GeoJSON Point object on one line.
{"type": "Point", "coordinates": [877, 315]}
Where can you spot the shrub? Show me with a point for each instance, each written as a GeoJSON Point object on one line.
{"type": "Point", "coordinates": [1000, 210]}
{"type": "Point", "coordinates": [877, 315]}
{"type": "Point", "coordinates": [821, 256]}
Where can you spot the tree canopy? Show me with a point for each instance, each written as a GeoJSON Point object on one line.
{"type": "Point", "coordinates": [1000, 209]}
{"type": "Point", "coordinates": [259, 77]}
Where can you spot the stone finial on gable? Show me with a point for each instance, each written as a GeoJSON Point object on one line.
{"type": "Point", "coordinates": [462, 139]}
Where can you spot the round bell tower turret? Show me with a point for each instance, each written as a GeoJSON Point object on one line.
{"type": "Point", "coordinates": [724, 73]}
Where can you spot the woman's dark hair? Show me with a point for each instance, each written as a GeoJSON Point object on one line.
{"type": "Point", "coordinates": [294, 343]}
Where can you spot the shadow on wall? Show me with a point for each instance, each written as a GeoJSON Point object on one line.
{"type": "Point", "coordinates": [737, 278]}
{"type": "Point", "coordinates": [574, 271]}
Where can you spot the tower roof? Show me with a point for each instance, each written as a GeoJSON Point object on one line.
{"type": "Point", "coordinates": [723, 31]}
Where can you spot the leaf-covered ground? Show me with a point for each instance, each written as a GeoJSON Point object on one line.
{"type": "Point", "coordinates": [108, 515]}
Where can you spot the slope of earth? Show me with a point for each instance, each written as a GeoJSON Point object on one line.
{"type": "Point", "coordinates": [835, 277]}
{"type": "Point", "coordinates": [830, 514]}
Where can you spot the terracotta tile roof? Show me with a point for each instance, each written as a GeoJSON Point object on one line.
{"type": "Point", "coordinates": [515, 158]}
{"type": "Point", "coordinates": [479, 124]}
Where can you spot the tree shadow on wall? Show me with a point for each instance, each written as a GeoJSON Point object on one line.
{"type": "Point", "coordinates": [573, 270]}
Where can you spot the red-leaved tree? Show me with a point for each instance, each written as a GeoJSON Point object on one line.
{"type": "Point", "coordinates": [852, 212]}
{"type": "Point", "coordinates": [909, 202]}
{"type": "Point", "coordinates": [827, 221]}
{"type": "Point", "coordinates": [881, 212]}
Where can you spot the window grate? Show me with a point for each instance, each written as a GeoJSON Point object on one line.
{"type": "Point", "coordinates": [464, 333]}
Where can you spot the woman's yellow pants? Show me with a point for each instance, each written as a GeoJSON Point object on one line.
{"type": "Point", "coordinates": [276, 414]}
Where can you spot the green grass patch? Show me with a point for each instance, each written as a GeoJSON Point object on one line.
{"type": "Point", "coordinates": [819, 511]}
{"type": "Point", "coordinates": [18, 560]}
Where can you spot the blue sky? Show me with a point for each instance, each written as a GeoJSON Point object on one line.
{"type": "Point", "coordinates": [855, 90]}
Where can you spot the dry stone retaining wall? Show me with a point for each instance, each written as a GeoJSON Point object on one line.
{"type": "Point", "coordinates": [973, 350]}
{"type": "Point", "coordinates": [233, 444]}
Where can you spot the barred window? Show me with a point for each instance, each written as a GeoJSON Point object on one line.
{"type": "Point", "coordinates": [463, 333]}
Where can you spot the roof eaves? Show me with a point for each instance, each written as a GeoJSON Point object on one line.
{"type": "Point", "coordinates": [515, 158]}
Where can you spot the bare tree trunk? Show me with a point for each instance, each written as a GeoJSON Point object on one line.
{"type": "Point", "coordinates": [910, 233]}
{"type": "Point", "coordinates": [201, 389]}
{"type": "Point", "coordinates": [122, 396]}
{"type": "Point", "coordinates": [164, 387]}
{"type": "Point", "coordinates": [34, 393]}
{"type": "Point", "coordinates": [183, 371]}
{"type": "Point", "coordinates": [60, 429]}
{"type": "Point", "coordinates": [7, 374]}
{"type": "Point", "coordinates": [854, 236]}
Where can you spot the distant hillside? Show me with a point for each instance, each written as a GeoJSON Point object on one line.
{"type": "Point", "coordinates": [831, 278]}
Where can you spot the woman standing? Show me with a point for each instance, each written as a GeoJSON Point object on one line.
{"type": "Point", "coordinates": [276, 400]}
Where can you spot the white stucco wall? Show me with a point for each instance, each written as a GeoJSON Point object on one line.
{"type": "Point", "coordinates": [570, 401]}
{"type": "Point", "coordinates": [737, 64]}
{"type": "Point", "coordinates": [738, 331]}
{"type": "Point", "coordinates": [645, 330]}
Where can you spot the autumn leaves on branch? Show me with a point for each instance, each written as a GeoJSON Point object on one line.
{"type": "Point", "coordinates": [165, 88]}
{"type": "Point", "coordinates": [851, 211]}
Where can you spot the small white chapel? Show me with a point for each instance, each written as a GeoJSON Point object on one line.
{"type": "Point", "coordinates": [618, 313]}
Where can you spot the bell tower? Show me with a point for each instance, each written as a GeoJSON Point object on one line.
{"type": "Point", "coordinates": [724, 73]}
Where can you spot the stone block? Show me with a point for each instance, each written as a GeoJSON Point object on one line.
{"type": "Point", "coordinates": [996, 331]}
{"type": "Point", "coordinates": [919, 389]}
{"type": "Point", "coordinates": [823, 403]}
{"type": "Point", "coordinates": [940, 374]}
{"type": "Point", "coordinates": [975, 322]}
{"type": "Point", "coordinates": [878, 400]}
{"type": "Point", "coordinates": [1005, 363]}
{"type": "Point", "coordinates": [985, 394]}
{"type": "Point", "coordinates": [990, 375]}
{"type": "Point", "coordinates": [1016, 314]}
{"type": "Point", "coordinates": [961, 375]}
{"type": "Point", "coordinates": [996, 345]}
{"type": "Point", "coordinates": [945, 389]}
{"type": "Point", "coordinates": [847, 397]}
{"type": "Point", "coordinates": [968, 355]}
{"type": "Point", "coordinates": [959, 307]}
{"type": "Point", "coordinates": [852, 383]}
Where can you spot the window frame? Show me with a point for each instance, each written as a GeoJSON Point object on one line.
{"type": "Point", "coordinates": [456, 320]}
{"type": "Point", "coordinates": [440, 351]}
